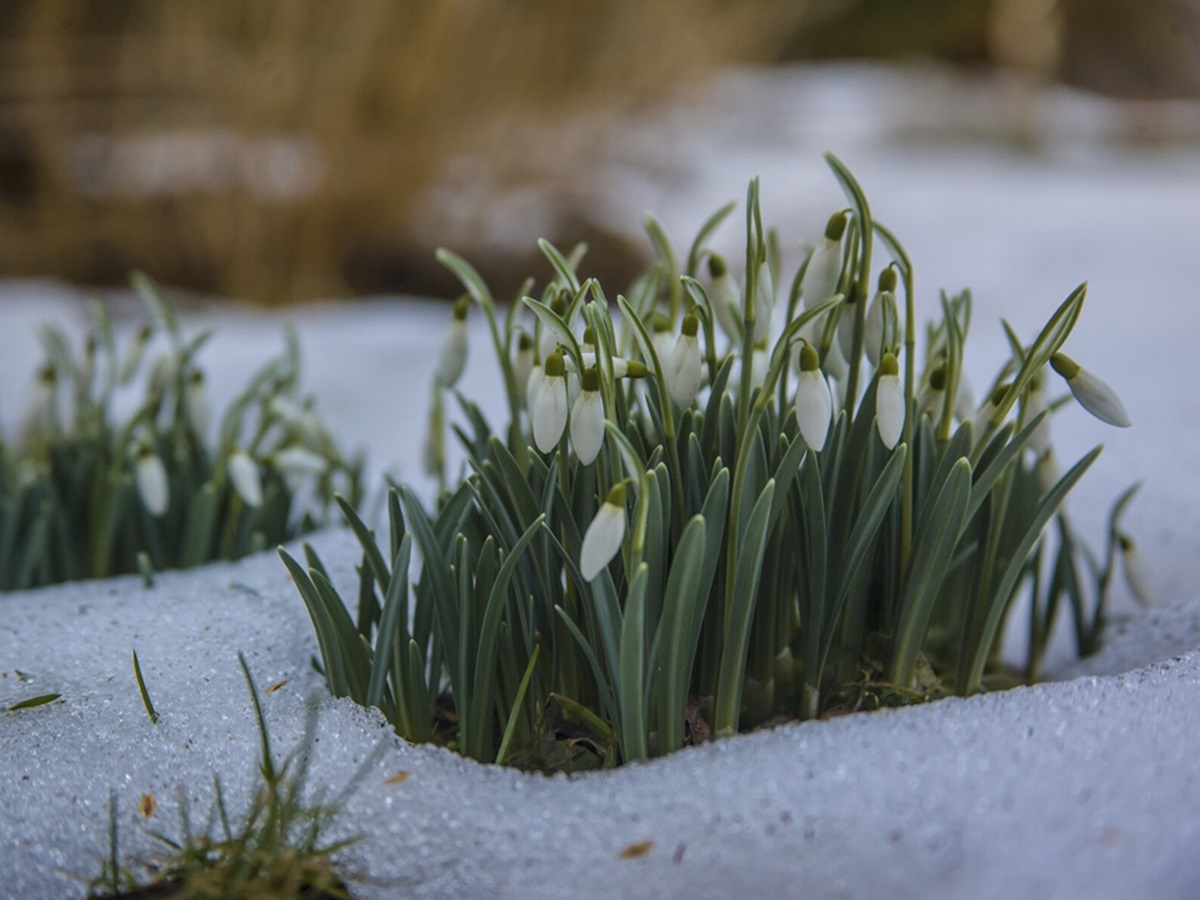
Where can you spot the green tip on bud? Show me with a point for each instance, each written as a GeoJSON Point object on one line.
{"type": "Point", "coordinates": [716, 266]}
{"type": "Point", "coordinates": [589, 336]}
{"type": "Point", "coordinates": [888, 365]}
{"type": "Point", "coordinates": [591, 379]}
{"type": "Point", "coordinates": [660, 323]}
{"type": "Point", "coordinates": [555, 367]}
{"type": "Point", "coordinates": [559, 305]}
{"type": "Point", "coordinates": [616, 497]}
{"type": "Point", "coordinates": [691, 325]}
{"type": "Point", "coordinates": [196, 378]}
{"type": "Point", "coordinates": [1064, 365]}
{"type": "Point", "coordinates": [48, 375]}
{"type": "Point", "coordinates": [636, 370]}
{"type": "Point", "coordinates": [461, 306]}
{"type": "Point", "coordinates": [937, 378]}
{"type": "Point", "coordinates": [889, 278]}
{"type": "Point", "coordinates": [837, 226]}
{"type": "Point", "coordinates": [810, 359]}
{"type": "Point", "coordinates": [998, 394]}
{"type": "Point", "coordinates": [524, 342]}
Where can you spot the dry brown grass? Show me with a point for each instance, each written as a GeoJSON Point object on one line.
{"type": "Point", "coordinates": [132, 133]}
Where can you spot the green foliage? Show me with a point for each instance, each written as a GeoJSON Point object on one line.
{"type": "Point", "coordinates": [86, 492]}
{"type": "Point", "coordinates": [746, 576]}
{"type": "Point", "coordinates": [274, 852]}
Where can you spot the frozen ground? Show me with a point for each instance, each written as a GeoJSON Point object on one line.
{"type": "Point", "coordinates": [1081, 788]}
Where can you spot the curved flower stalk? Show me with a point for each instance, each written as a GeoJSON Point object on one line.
{"type": "Point", "coordinates": [814, 402]}
{"type": "Point", "coordinates": [1093, 394]}
{"type": "Point", "coordinates": [452, 358]}
{"type": "Point", "coordinates": [548, 403]}
{"type": "Point", "coordinates": [604, 535]}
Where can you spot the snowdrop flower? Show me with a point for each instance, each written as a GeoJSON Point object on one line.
{"type": "Point", "coordinates": [299, 462]}
{"type": "Point", "coordinates": [536, 376]}
{"type": "Point", "coordinates": [1093, 394]}
{"type": "Point", "coordinates": [43, 410]}
{"type": "Point", "coordinates": [984, 415]}
{"type": "Point", "coordinates": [196, 403]}
{"type": "Point", "coordinates": [814, 402]}
{"type": "Point", "coordinates": [243, 472]}
{"type": "Point", "coordinates": [1035, 404]}
{"type": "Point", "coordinates": [934, 395]}
{"type": "Point", "coordinates": [133, 358]}
{"type": "Point", "coordinates": [845, 327]}
{"type": "Point", "coordinates": [548, 404]}
{"type": "Point", "coordinates": [602, 541]}
{"type": "Point", "coordinates": [151, 476]}
{"type": "Point", "coordinates": [587, 419]}
{"type": "Point", "coordinates": [663, 340]}
{"type": "Point", "coordinates": [625, 368]}
{"type": "Point", "coordinates": [684, 368]}
{"type": "Point", "coordinates": [1047, 471]}
{"type": "Point", "coordinates": [452, 358]}
{"type": "Point", "coordinates": [825, 263]}
{"type": "Point", "coordinates": [964, 399]}
{"type": "Point", "coordinates": [835, 362]}
{"type": "Point", "coordinates": [548, 341]}
{"type": "Point", "coordinates": [1137, 572]}
{"type": "Point", "coordinates": [726, 304]}
{"type": "Point", "coordinates": [523, 365]}
{"type": "Point", "coordinates": [873, 336]}
{"type": "Point", "coordinates": [162, 376]}
{"type": "Point", "coordinates": [765, 306]}
{"type": "Point", "coordinates": [889, 402]}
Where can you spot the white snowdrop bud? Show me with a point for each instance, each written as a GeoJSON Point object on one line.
{"type": "Point", "coordinates": [151, 476]}
{"type": "Point", "coordinates": [964, 399]}
{"type": "Point", "coordinates": [825, 264]}
{"type": "Point", "coordinates": [196, 403]}
{"type": "Point", "coordinates": [663, 340]}
{"type": "Point", "coordinates": [889, 402]}
{"type": "Point", "coordinates": [684, 368]}
{"type": "Point", "coordinates": [523, 364]}
{"type": "Point", "coordinates": [724, 296]}
{"type": "Point", "coordinates": [835, 362]}
{"type": "Point", "coordinates": [452, 358]}
{"type": "Point", "coordinates": [814, 402]}
{"type": "Point", "coordinates": [984, 415]}
{"type": "Point", "coordinates": [934, 394]}
{"type": "Point", "coordinates": [299, 462]}
{"type": "Point", "coordinates": [624, 368]}
{"type": "Point", "coordinates": [602, 541]}
{"type": "Point", "coordinates": [873, 329]}
{"type": "Point", "coordinates": [162, 375]}
{"type": "Point", "coordinates": [548, 406]}
{"type": "Point", "coordinates": [1137, 572]}
{"type": "Point", "coordinates": [587, 419]}
{"type": "Point", "coordinates": [137, 349]}
{"type": "Point", "coordinates": [243, 472]}
{"type": "Point", "coordinates": [1035, 405]}
{"type": "Point", "coordinates": [548, 341]}
{"type": "Point", "coordinates": [765, 301]}
{"type": "Point", "coordinates": [1047, 471]}
{"type": "Point", "coordinates": [1093, 394]}
{"type": "Point", "coordinates": [846, 324]}
{"type": "Point", "coordinates": [286, 410]}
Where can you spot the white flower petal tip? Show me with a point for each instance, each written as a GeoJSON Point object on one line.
{"type": "Point", "coordinates": [548, 404]}
{"type": "Point", "coordinates": [243, 472]}
{"type": "Point", "coordinates": [1137, 573]}
{"type": "Point", "coordinates": [587, 420]}
{"type": "Point", "coordinates": [889, 402]}
{"type": "Point", "coordinates": [814, 401]}
{"type": "Point", "coordinates": [452, 358]}
{"type": "Point", "coordinates": [604, 535]}
{"type": "Point", "coordinates": [299, 462]}
{"type": "Point", "coordinates": [684, 367]}
{"type": "Point", "coordinates": [152, 483]}
{"type": "Point", "coordinates": [1093, 394]}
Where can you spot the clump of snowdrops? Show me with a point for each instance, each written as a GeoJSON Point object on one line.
{"type": "Point", "coordinates": [87, 491]}
{"type": "Point", "coordinates": [718, 504]}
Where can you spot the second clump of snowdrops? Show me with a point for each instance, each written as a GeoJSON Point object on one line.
{"type": "Point", "coordinates": [720, 500]}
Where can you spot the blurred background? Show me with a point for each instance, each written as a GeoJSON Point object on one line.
{"type": "Point", "coordinates": [282, 151]}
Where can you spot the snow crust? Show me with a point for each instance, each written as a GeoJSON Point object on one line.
{"type": "Point", "coordinates": [1085, 787]}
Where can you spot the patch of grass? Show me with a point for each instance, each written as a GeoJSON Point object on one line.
{"type": "Point", "coordinates": [717, 505]}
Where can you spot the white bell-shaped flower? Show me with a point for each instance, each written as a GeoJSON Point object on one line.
{"type": "Point", "coordinates": [243, 472]}
{"type": "Point", "coordinates": [548, 404]}
{"type": "Point", "coordinates": [602, 540]}
{"type": "Point", "coordinates": [1137, 572]}
{"type": "Point", "coordinates": [548, 340]}
{"type": "Point", "coordinates": [452, 358]}
{"type": "Point", "coordinates": [814, 401]}
{"type": "Point", "coordinates": [587, 419]}
{"type": "Point", "coordinates": [983, 415]}
{"type": "Point", "coordinates": [523, 364]}
{"type": "Point", "coordinates": [933, 396]}
{"type": "Point", "coordinates": [536, 376]}
{"type": "Point", "coordinates": [1093, 394]}
{"type": "Point", "coordinates": [825, 263]}
{"type": "Point", "coordinates": [163, 373]}
{"type": "Point", "coordinates": [964, 399]}
{"type": "Point", "coordinates": [152, 484]}
{"type": "Point", "coordinates": [684, 367]}
{"type": "Point", "coordinates": [889, 402]}
{"type": "Point", "coordinates": [299, 462]}
{"type": "Point", "coordinates": [725, 298]}
{"type": "Point", "coordinates": [847, 324]}
{"type": "Point", "coordinates": [873, 336]}
{"type": "Point", "coordinates": [1036, 402]}
{"type": "Point", "coordinates": [663, 340]}
{"type": "Point", "coordinates": [196, 403]}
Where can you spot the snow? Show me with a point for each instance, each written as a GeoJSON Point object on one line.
{"type": "Point", "coordinates": [1081, 787]}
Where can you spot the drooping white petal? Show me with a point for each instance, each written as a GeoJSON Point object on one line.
{"type": "Point", "coordinates": [814, 408]}
{"type": "Point", "coordinates": [548, 407]}
{"type": "Point", "coordinates": [523, 364]}
{"type": "Point", "coordinates": [296, 461]}
{"type": "Point", "coordinates": [1093, 394]}
{"type": "Point", "coordinates": [243, 472]}
{"type": "Point", "coordinates": [1047, 471]}
{"type": "Point", "coordinates": [534, 384]}
{"type": "Point", "coordinates": [152, 483]}
{"type": "Point", "coordinates": [764, 306]}
{"type": "Point", "coordinates": [825, 264]}
{"type": "Point", "coordinates": [602, 541]}
{"type": "Point", "coordinates": [724, 296]}
{"type": "Point", "coordinates": [835, 363]}
{"type": "Point", "coordinates": [889, 402]}
{"type": "Point", "coordinates": [1138, 577]}
{"type": "Point", "coordinates": [452, 358]}
{"type": "Point", "coordinates": [1035, 405]}
{"type": "Point", "coordinates": [964, 399]}
{"type": "Point", "coordinates": [137, 349]}
{"type": "Point", "coordinates": [684, 367]}
{"type": "Point", "coordinates": [196, 403]}
{"type": "Point", "coordinates": [587, 425]}
{"type": "Point", "coordinates": [162, 375]}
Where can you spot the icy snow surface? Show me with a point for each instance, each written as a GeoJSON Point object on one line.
{"type": "Point", "coordinates": [1080, 788]}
